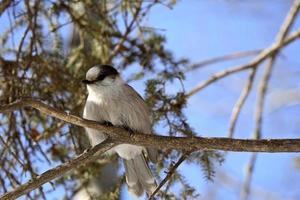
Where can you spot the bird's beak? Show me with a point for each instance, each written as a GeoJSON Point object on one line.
{"type": "Point", "coordinates": [86, 81]}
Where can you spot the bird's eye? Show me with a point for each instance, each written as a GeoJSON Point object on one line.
{"type": "Point", "coordinates": [100, 77]}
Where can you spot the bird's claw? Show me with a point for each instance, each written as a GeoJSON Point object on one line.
{"type": "Point", "coordinates": [131, 132]}
{"type": "Point", "coordinates": [107, 123]}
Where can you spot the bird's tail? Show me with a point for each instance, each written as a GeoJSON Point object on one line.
{"type": "Point", "coordinates": [138, 176]}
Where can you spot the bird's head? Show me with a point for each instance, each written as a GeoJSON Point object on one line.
{"type": "Point", "coordinates": [101, 75]}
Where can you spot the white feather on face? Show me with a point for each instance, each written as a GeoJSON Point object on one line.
{"type": "Point", "coordinates": [93, 73]}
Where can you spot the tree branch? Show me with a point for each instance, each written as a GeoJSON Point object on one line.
{"type": "Point", "coordinates": [240, 103]}
{"type": "Point", "coordinates": [4, 5]}
{"type": "Point", "coordinates": [254, 63]}
{"type": "Point", "coordinates": [170, 173]}
{"type": "Point", "coordinates": [231, 56]}
{"type": "Point", "coordinates": [121, 135]}
{"type": "Point", "coordinates": [126, 34]}
{"type": "Point", "coordinates": [58, 171]}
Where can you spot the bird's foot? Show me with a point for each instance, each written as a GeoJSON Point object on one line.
{"type": "Point", "coordinates": [107, 123]}
{"type": "Point", "coordinates": [131, 132]}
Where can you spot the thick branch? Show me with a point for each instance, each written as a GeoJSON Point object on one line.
{"type": "Point", "coordinates": [184, 143]}
{"type": "Point", "coordinates": [58, 171]}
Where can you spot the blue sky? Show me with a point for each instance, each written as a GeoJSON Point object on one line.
{"type": "Point", "coordinates": [201, 29]}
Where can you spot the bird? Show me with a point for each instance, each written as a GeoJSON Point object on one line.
{"type": "Point", "coordinates": [113, 102]}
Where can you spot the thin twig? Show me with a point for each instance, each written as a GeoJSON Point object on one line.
{"type": "Point", "coordinates": [127, 32]}
{"type": "Point", "coordinates": [240, 103]}
{"type": "Point", "coordinates": [223, 58]}
{"type": "Point", "coordinates": [171, 171]}
{"type": "Point", "coordinates": [11, 152]}
{"type": "Point", "coordinates": [262, 90]}
{"type": "Point", "coordinates": [248, 179]}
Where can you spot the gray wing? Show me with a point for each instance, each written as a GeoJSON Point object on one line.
{"type": "Point", "coordinates": [151, 152]}
{"type": "Point", "coordinates": [131, 90]}
{"type": "Point", "coordinates": [141, 103]}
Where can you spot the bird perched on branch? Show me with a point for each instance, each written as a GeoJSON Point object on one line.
{"type": "Point", "coordinates": [112, 101]}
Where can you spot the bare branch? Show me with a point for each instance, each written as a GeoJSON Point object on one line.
{"type": "Point", "coordinates": [248, 179]}
{"type": "Point", "coordinates": [165, 142]}
{"type": "Point", "coordinates": [254, 63]}
{"type": "Point", "coordinates": [58, 171]}
{"type": "Point", "coordinates": [288, 21]}
{"type": "Point", "coordinates": [239, 104]}
{"type": "Point", "coordinates": [170, 173]}
{"type": "Point", "coordinates": [223, 58]}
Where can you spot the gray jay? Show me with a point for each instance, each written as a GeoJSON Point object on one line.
{"type": "Point", "coordinates": [110, 100]}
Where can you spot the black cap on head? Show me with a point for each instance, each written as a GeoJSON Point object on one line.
{"type": "Point", "coordinates": [107, 70]}
{"type": "Point", "coordinates": [99, 72]}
